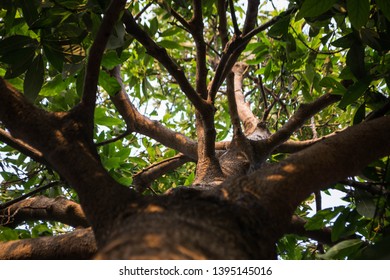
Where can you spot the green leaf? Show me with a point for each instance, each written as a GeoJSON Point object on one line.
{"type": "Point", "coordinates": [313, 8]}
{"type": "Point", "coordinates": [34, 78]}
{"type": "Point", "coordinates": [19, 61]}
{"type": "Point", "coordinates": [54, 87]}
{"type": "Point", "coordinates": [7, 234]}
{"type": "Point", "coordinates": [342, 249]}
{"type": "Point", "coordinates": [384, 6]}
{"type": "Point", "coordinates": [345, 42]}
{"type": "Point", "coordinates": [280, 28]}
{"type": "Point", "coordinates": [371, 38]}
{"type": "Point", "coordinates": [111, 59]}
{"type": "Point", "coordinates": [19, 56]}
{"type": "Point", "coordinates": [109, 83]}
{"type": "Point", "coordinates": [55, 58]}
{"type": "Point", "coordinates": [30, 11]}
{"type": "Point", "coordinates": [101, 118]}
{"type": "Point", "coordinates": [355, 61]}
{"type": "Point", "coordinates": [366, 207]}
{"type": "Point", "coordinates": [358, 12]}
{"type": "Point", "coordinates": [354, 92]}
{"type": "Point", "coordinates": [332, 83]}
{"type": "Point", "coordinates": [168, 44]}
{"type": "Point", "coordinates": [111, 163]}
{"type": "Point", "coordinates": [12, 43]}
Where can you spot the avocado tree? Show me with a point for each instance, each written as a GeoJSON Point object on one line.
{"type": "Point", "coordinates": [177, 129]}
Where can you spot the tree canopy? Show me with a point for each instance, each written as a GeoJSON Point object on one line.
{"type": "Point", "coordinates": [194, 129]}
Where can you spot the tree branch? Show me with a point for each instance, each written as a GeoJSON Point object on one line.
{"type": "Point", "coordinates": [323, 235]}
{"type": "Point", "coordinates": [305, 112]}
{"type": "Point", "coordinates": [280, 188]}
{"type": "Point", "coordinates": [22, 147]}
{"type": "Point", "coordinates": [43, 208]}
{"type": "Point", "coordinates": [145, 177]}
{"type": "Point", "coordinates": [79, 244]}
{"type": "Point", "coordinates": [222, 27]}
{"type": "Point", "coordinates": [161, 55]}
{"type": "Point", "coordinates": [95, 56]}
{"type": "Point", "coordinates": [136, 122]}
{"type": "Point", "coordinates": [29, 194]}
{"type": "Point", "coordinates": [237, 31]}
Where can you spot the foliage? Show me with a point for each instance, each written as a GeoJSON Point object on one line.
{"type": "Point", "coordinates": [332, 46]}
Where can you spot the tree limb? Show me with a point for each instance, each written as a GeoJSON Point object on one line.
{"type": "Point", "coordinates": [29, 194]}
{"type": "Point", "coordinates": [222, 26]}
{"type": "Point", "coordinates": [161, 55]}
{"type": "Point", "coordinates": [145, 177]}
{"type": "Point", "coordinates": [136, 122]}
{"type": "Point", "coordinates": [95, 56]}
{"type": "Point", "coordinates": [43, 208]}
{"type": "Point", "coordinates": [79, 244]}
{"type": "Point", "coordinates": [281, 187]}
{"type": "Point", "coordinates": [22, 147]}
{"type": "Point", "coordinates": [305, 112]}
{"type": "Point", "coordinates": [323, 235]}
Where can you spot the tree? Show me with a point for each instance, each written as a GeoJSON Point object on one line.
{"type": "Point", "coordinates": [249, 113]}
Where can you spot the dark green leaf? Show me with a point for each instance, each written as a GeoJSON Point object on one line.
{"type": "Point", "coordinates": [339, 226]}
{"type": "Point", "coordinates": [13, 43]}
{"type": "Point", "coordinates": [358, 12]}
{"type": "Point", "coordinates": [55, 58]}
{"type": "Point", "coordinates": [18, 56]}
{"type": "Point", "coordinates": [384, 6]}
{"type": "Point", "coordinates": [313, 8]}
{"type": "Point", "coordinates": [280, 28]}
{"type": "Point", "coordinates": [342, 249]}
{"type": "Point", "coordinates": [366, 207]}
{"type": "Point", "coordinates": [360, 114]}
{"type": "Point", "coordinates": [332, 83]}
{"type": "Point", "coordinates": [34, 78]}
{"type": "Point", "coordinates": [345, 42]}
{"type": "Point", "coordinates": [30, 11]}
{"type": "Point", "coordinates": [354, 92]}
{"type": "Point", "coordinates": [371, 38]}
{"type": "Point", "coordinates": [355, 61]}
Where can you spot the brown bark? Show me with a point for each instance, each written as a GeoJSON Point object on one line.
{"type": "Point", "coordinates": [44, 208]}
{"type": "Point", "coordinates": [79, 244]}
{"type": "Point", "coordinates": [241, 219]}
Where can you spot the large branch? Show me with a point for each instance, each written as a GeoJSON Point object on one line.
{"type": "Point", "coordinates": [144, 178]}
{"type": "Point", "coordinates": [280, 188]}
{"type": "Point", "coordinates": [44, 208]}
{"type": "Point", "coordinates": [238, 43]}
{"type": "Point", "coordinates": [62, 139]}
{"type": "Point", "coordinates": [161, 55]}
{"type": "Point", "coordinates": [136, 122]}
{"type": "Point", "coordinates": [305, 112]}
{"type": "Point", "coordinates": [196, 24]}
{"type": "Point", "coordinates": [79, 244]}
{"type": "Point", "coordinates": [95, 56]}
{"type": "Point", "coordinates": [22, 147]}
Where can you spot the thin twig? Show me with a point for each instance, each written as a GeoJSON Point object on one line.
{"type": "Point", "coordinates": [114, 139]}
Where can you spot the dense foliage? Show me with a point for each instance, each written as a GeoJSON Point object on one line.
{"type": "Point", "coordinates": [315, 47]}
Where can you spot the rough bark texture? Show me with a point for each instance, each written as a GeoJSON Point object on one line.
{"type": "Point", "coordinates": [238, 211]}
{"type": "Point", "coordinates": [79, 244]}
